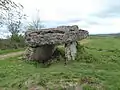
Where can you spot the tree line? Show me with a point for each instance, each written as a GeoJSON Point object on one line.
{"type": "Point", "coordinates": [13, 19]}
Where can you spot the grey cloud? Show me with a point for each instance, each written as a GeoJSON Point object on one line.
{"type": "Point", "coordinates": [90, 22]}
{"type": "Point", "coordinates": [3, 30]}
{"type": "Point", "coordinates": [112, 9]}
{"type": "Point", "coordinates": [59, 23]}
{"type": "Point", "coordinates": [64, 21]}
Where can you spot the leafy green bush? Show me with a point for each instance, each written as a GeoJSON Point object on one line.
{"type": "Point", "coordinates": [83, 55]}
{"type": "Point", "coordinates": [14, 42]}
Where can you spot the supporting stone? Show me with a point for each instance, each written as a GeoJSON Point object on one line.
{"type": "Point", "coordinates": [70, 50]}
{"type": "Point", "coordinates": [28, 55]}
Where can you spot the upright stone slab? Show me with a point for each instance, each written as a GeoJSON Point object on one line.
{"type": "Point", "coordinates": [44, 41]}
{"type": "Point", "coordinates": [70, 50]}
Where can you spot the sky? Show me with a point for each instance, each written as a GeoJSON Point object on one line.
{"type": "Point", "coordinates": [96, 16]}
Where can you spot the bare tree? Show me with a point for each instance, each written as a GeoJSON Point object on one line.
{"type": "Point", "coordinates": [12, 17]}
{"type": "Point", "coordinates": [5, 6]}
{"type": "Point", "coordinates": [36, 23]}
{"type": "Point", "coordinates": [14, 21]}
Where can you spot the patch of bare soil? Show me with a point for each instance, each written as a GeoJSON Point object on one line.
{"type": "Point", "coordinates": [2, 57]}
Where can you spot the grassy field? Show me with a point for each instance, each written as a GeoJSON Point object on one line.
{"type": "Point", "coordinates": [97, 67]}
{"type": "Point", "coordinates": [10, 50]}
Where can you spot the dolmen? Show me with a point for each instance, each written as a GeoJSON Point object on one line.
{"type": "Point", "coordinates": [42, 43]}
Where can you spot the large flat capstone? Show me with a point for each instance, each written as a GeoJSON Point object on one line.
{"type": "Point", "coordinates": [59, 35]}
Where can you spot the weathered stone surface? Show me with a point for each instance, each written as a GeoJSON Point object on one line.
{"type": "Point", "coordinates": [28, 53]}
{"type": "Point", "coordinates": [70, 50]}
{"type": "Point", "coordinates": [43, 42]}
{"type": "Point", "coordinates": [59, 35]}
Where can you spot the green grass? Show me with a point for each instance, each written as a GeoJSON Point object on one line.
{"type": "Point", "coordinates": [10, 50]}
{"type": "Point", "coordinates": [97, 67]}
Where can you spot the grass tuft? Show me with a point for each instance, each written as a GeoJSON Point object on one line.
{"type": "Point", "coordinates": [97, 67]}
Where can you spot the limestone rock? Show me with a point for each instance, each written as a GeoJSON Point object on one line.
{"type": "Point", "coordinates": [28, 55]}
{"type": "Point", "coordinates": [70, 50]}
{"type": "Point", "coordinates": [59, 35]}
{"type": "Point", "coordinates": [43, 42]}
